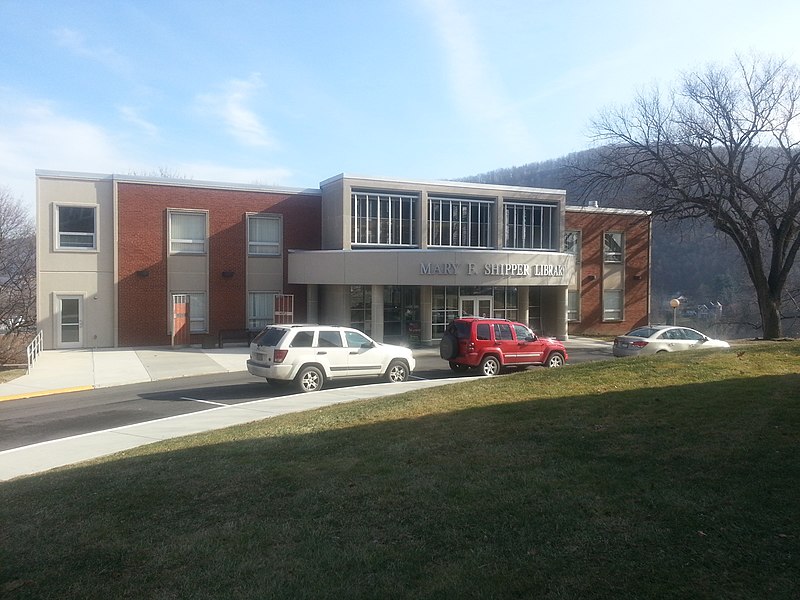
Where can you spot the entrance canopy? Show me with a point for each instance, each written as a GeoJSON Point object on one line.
{"type": "Point", "coordinates": [430, 267]}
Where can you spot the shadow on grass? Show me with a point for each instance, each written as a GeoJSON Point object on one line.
{"type": "Point", "coordinates": [673, 492]}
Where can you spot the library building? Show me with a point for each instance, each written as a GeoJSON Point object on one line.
{"type": "Point", "coordinates": [132, 261]}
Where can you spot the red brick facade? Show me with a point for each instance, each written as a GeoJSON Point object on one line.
{"type": "Point", "coordinates": [636, 261]}
{"type": "Point", "coordinates": [142, 249]}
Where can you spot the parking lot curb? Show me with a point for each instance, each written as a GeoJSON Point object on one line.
{"type": "Point", "coordinates": [80, 388]}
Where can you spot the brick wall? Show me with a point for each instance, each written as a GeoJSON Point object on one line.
{"type": "Point", "coordinates": [637, 271]}
{"type": "Point", "coordinates": [142, 246]}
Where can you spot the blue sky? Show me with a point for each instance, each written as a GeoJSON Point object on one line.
{"type": "Point", "coordinates": [292, 92]}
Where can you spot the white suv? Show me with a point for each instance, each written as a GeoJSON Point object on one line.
{"type": "Point", "coordinates": [309, 355]}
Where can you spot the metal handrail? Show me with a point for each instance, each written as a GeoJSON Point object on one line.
{"type": "Point", "coordinates": [34, 349]}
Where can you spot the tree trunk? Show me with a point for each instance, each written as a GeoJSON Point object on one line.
{"type": "Point", "coordinates": [770, 309]}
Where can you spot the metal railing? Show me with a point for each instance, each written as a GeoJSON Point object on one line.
{"type": "Point", "coordinates": [33, 349]}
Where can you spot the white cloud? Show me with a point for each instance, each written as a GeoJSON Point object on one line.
{"type": "Point", "coordinates": [75, 42]}
{"type": "Point", "coordinates": [131, 115]}
{"type": "Point", "coordinates": [34, 136]}
{"type": "Point", "coordinates": [476, 90]}
{"type": "Point", "coordinates": [231, 104]}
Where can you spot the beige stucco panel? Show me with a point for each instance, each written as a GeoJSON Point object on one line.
{"type": "Point", "coordinates": [265, 274]}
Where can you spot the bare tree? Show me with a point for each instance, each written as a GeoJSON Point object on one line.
{"type": "Point", "coordinates": [17, 265]}
{"type": "Point", "coordinates": [722, 146]}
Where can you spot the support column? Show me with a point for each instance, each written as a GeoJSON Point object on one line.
{"type": "Point", "coordinates": [312, 303]}
{"type": "Point", "coordinates": [377, 313]}
{"type": "Point", "coordinates": [425, 315]}
{"type": "Point", "coordinates": [522, 303]}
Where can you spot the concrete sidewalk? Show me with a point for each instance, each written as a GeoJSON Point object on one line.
{"type": "Point", "coordinates": [59, 371]}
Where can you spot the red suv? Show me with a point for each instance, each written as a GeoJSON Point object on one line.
{"type": "Point", "coordinates": [495, 344]}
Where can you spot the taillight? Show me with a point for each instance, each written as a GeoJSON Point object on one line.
{"type": "Point", "coordinates": [639, 344]}
{"type": "Point", "coordinates": [279, 355]}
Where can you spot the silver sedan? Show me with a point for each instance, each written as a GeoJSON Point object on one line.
{"type": "Point", "coordinates": [663, 338]}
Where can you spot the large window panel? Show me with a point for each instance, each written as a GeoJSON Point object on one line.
{"type": "Point", "coordinates": [264, 235]}
{"type": "Point", "coordinates": [459, 222]}
{"type": "Point", "coordinates": [188, 232]}
{"type": "Point", "coordinates": [76, 227]}
{"type": "Point", "coordinates": [613, 247]}
{"type": "Point", "coordinates": [530, 226]}
{"type": "Point", "coordinates": [612, 305]}
{"type": "Point", "coordinates": [383, 219]}
{"type": "Point", "coordinates": [198, 312]}
{"type": "Point", "coordinates": [260, 310]}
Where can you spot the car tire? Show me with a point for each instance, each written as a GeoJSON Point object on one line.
{"type": "Point", "coordinates": [490, 366]}
{"type": "Point", "coordinates": [397, 372]}
{"type": "Point", "coordinates": [448, 347]}
{"type": "Point", "coordinates": [309, 379]}
{"type": "Point", "coordinates": [458, 367]}
{"type": "Point", "coordinates": [556, 359]}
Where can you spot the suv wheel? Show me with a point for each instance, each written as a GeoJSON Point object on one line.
{"type": "Point", "coordinates": [556, 359]}
{"type": "Point", "coordinates": [309, 379]}
{"type": "Point", "coordinates": [490, 366]}
{"type": "Point", "coordinates": [397, 372]}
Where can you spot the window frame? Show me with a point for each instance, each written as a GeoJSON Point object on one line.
{"type": "Point", "coordinates": [441, 226]}
{"type": "Point", "coordinates": [613, 256]}
{"type": "Point", "coordinates": [171, 242]}
{"type": "Point", "coordinates": [610, 314]}
{"type": "Point", "coordinates": [520, 229]}
{"type": "Point", "coordinates": [573, 306]}
{"type": "Point", "coordinates": [268, 319]}
{"type": "Point", "coordinates": [574, 250]}
{"type": "Point", "coordinates": [386, 219]}
{"type": "Point", "coordinates": [57, 233]}
{"type": "Point", "coordinates": [277, 245]}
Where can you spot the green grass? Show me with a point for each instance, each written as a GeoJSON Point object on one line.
{"type": "Point", "coordinates": [674, 477]}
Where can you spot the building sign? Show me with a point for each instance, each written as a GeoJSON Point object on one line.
{"type": "Point", "coordinates": [492, 269]}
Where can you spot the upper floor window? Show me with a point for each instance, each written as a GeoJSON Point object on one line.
{"type": "Point", "coordinates": [572, 243]}
{"type": "Point", "coordinates": [384, 219]}
{"type": "Point", "coordinates": [187, 232]}
{"type": "Point", "coordinates": [460, 222]}
{"type": "Point", "coordinates": [264, 235]}
{"type": "Point", "coordinates": [530, 226]}
{"type": "Point", "coordinates": [76, 227]}
{"type": "Point", "coordinates": [612, 247]}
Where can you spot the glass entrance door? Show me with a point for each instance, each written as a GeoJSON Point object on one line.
{"type": "Point", "coordinates": [476, 306]}
{"type": "Point", "coordinates": [70, 322]}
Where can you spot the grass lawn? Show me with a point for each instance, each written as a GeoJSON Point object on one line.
{"type": "Point", "coordinates": [673, 477]}
{"type": "Point", "coordinates": [9, 373]}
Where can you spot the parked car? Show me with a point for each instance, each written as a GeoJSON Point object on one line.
{"type": "Point", "coordinates": [310, 355]}
{"type": "Point", "coordinates": [654, 339]}
{"type": "Point", "coordinates": [491, 345]}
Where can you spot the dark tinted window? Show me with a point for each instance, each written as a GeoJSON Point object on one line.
{"type": "Point", "coordinates": [303, 339]}
{"type": "Point", "coordinates": [523, 333]}
{"type": "Point", "coordinates": [270, 336]}
{"type": "Point", "coordinates": [329, 339]}
{"type": "Point", "coordinates": [460, 329]}
{"type": "Point", "coordinates": [502, 331]}
{"type": "Point", "coordinates": [483, 332]}
{"type": "Point", "coordinates": [642, 332]}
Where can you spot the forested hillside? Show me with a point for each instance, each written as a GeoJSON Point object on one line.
{"type": "Point", "coordinates": [689, 258]}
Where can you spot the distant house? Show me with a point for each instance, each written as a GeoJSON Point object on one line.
{"type": "Point", "coordinates": [130, 261]}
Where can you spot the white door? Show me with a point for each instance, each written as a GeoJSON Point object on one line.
{"type": "Point", "coordinates": [476, 306]}
{"type": "Point", "coordinates": [69, 322]}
